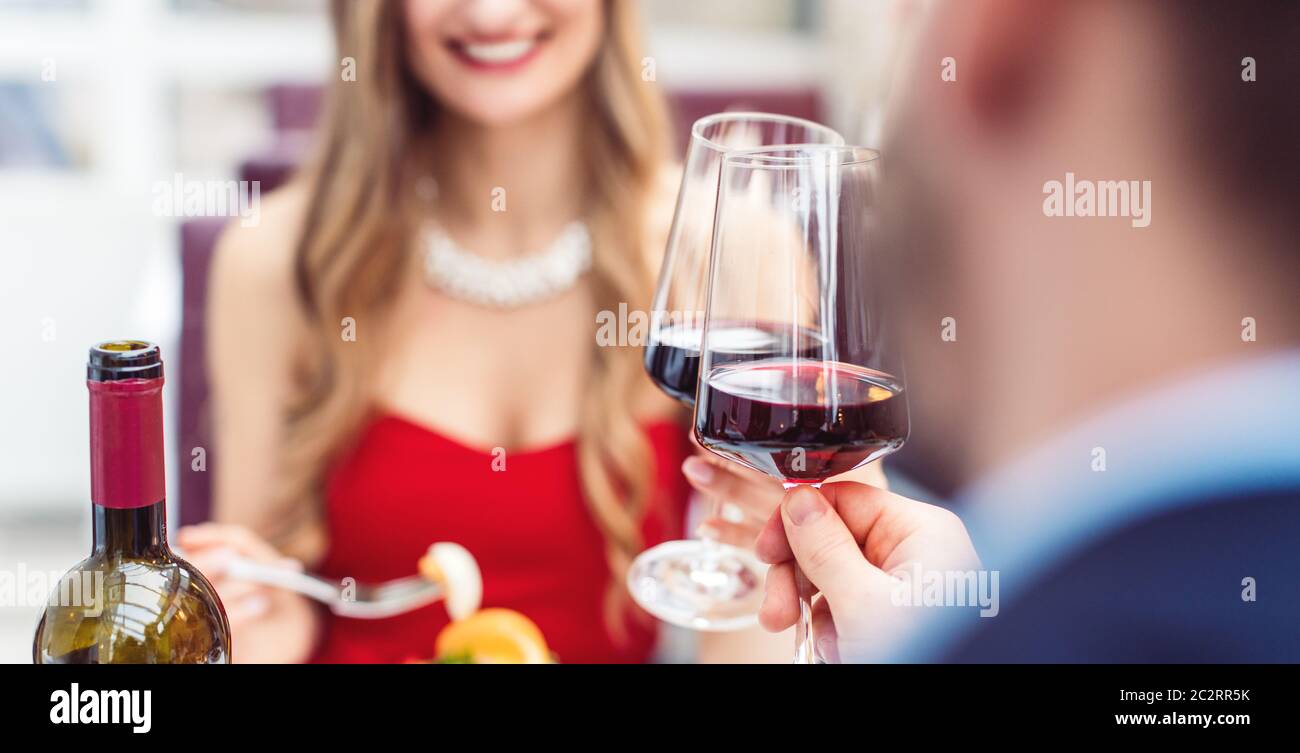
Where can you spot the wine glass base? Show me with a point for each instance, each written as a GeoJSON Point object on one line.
{"type": "Point", "coordinates": [700, 585]}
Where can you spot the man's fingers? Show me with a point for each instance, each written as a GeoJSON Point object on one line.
{"type": "Point", "coordinates": [780, 607]}
{"type": "Point", "coordinates": [823, 546]}
{"type": "Point", "coordinates": [771, 545]}
{"type": "Point", "coordinates": [825, 637]}
{"type": "Point", "coordinates": [860, 506]}
{"type": "Point", "coordinates": [888, 525]}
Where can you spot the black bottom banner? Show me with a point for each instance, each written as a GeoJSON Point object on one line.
{"type": "Point", "coordinates": [975, 701]}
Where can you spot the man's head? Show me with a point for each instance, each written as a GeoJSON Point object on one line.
{"type": "Point", "coordinates": [1095, 195]}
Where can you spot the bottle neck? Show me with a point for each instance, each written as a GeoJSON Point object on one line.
{"type": "Point", "coordinates": [126, 466]}
{"type": "Point", "coordinates": [130, 532]}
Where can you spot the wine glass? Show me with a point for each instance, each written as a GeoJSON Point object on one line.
{"type": "Point", "coordinates": [703, 584]}
{"type": "Point", "coordinates": [797, 254]}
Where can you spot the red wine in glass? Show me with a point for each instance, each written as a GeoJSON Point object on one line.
{"type": "Point", "coordinates": [672, 356]}
{"type": "Point", "coordinates": [672, 359]}
{"type": "Point", "coordinates": [801, 420]}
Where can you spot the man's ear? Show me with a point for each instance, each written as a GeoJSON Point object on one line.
{"type": "Point", "coordinates": [1007, 56]}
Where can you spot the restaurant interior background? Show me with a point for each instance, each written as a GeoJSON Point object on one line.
{"type": "Point", "coordinates": [100, 100]}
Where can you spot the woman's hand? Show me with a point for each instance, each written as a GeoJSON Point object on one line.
{"type": "Point", "coordinates": [848, 538]}
{"type": "Point", "coordinates": [268, 625]}
{"type": "Point", "coordinates": [749, 497]}
{"type": "Point", "coordinates": [742, 499]}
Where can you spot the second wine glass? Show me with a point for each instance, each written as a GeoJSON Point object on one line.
{"type": "Point", "coordinates": [701, 583]}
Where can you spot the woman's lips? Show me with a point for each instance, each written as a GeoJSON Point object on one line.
{"type": "Point", "coordinates": [496, 56]}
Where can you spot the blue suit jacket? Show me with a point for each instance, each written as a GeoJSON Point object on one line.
{"type": "Point", "coordinates": [1152, 559]}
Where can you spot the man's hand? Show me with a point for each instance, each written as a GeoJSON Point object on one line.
{"type": "Point", "coordinates": [848, 538]}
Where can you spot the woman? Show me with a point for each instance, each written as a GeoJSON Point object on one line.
{"type": "Point", "coordinates": [373, 394]}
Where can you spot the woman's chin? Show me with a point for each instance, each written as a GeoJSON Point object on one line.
{"type": "Point", "coordinates": [490, 111]}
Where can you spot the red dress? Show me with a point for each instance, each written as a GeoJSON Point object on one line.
{"type": "Point", "coordinates": [405, 486]}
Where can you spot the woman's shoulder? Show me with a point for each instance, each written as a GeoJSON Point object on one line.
{"type": "Point", "coordinates": [251, 283]}
{"type": "Point", "coordinates": [260, 254]}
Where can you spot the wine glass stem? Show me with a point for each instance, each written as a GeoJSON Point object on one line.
{"type": "Point", "coordinates": [804, 648]}
{"type": "Point", "coordinates": [707, 535]}
{"type": "Point", "coordinates": [804, 652]}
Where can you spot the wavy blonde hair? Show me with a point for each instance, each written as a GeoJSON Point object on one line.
{"type": "Point", "coordinates": [355, 249]}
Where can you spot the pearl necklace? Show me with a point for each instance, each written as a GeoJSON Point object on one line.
{"type": "Point", "coordinates": [507, 284]}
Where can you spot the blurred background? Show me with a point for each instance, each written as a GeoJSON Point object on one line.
{"type": "Point", "coordinates": [101, 100]}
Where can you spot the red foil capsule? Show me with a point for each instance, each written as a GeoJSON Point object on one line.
{"type": "Point", "coordinates": [126, 443]}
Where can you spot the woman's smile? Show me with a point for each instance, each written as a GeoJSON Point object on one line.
{"type": "Point", "coordinates": [497, 55]}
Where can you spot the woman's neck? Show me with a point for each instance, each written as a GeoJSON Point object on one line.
{"type": "Point", "coordinates": [508, 190]}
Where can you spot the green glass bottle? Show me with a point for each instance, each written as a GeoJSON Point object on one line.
{"type": "Point", "coordinates": [132, 601]}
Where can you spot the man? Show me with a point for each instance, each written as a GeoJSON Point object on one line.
{"type": "Point", "coordinates": [1101, 223]}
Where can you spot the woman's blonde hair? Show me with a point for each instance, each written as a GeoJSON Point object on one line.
{"type": "Point", "coordinates": [355, 248]}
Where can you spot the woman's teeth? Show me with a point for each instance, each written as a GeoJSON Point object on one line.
{"type": "Point", "coordinates": [499, 52]}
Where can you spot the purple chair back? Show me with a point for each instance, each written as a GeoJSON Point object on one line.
{"type": "Point", "coordinates": [198, 238]}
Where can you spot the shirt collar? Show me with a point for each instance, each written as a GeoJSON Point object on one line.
{"type": "Point", "coordinates": [1226, 430]}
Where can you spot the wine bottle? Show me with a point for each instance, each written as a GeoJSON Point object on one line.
{"type": "Point", "coordinates": [132, 601]}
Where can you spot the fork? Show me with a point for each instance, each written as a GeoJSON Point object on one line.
{"type": "Point", "coordinates": [367, 601]}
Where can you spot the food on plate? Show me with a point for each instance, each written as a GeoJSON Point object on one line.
{"type": "Point", "coordinates": [492, 636]}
